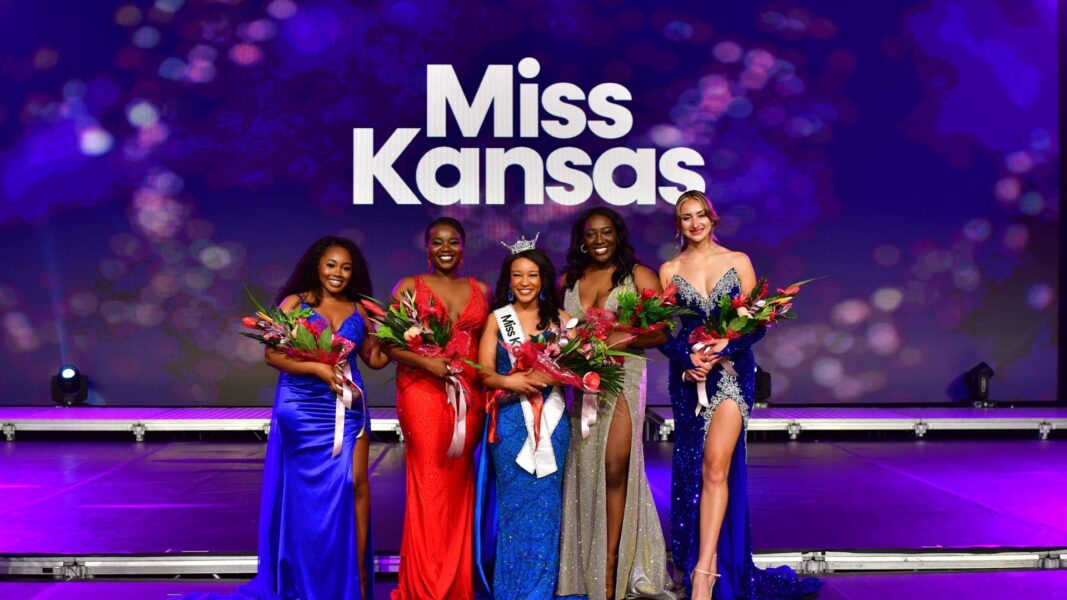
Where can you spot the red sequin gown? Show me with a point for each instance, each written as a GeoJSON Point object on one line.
{"type": "Point", "coordinates": [436, 556]}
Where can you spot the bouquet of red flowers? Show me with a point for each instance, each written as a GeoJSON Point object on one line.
{"type": "Point", "coordinates": [649, 311]}
{"type": "Point", "coordinates": [744, 313]}
{"type": "Point", "coordinates": [295, 334]}
{"type": "Point", "coordinates": [740, 315]}
{"type": "Point", "coordinates": [422, 325]}
{"type": "Point", "coordinates": [578, 356]}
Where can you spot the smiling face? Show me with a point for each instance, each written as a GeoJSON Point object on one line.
{"type": "Point", "coordinates": [525, 280]}
{"type": "Point", "coordinates": [335, 270]}
{"type": "Point", "coordinates": [444, 248]}
{"type": "Point", "coordinates": [600, 237]}
{"type": "Point", "coordinates": [694, 221]}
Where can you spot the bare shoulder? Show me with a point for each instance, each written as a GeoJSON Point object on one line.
{"type": "Point", "coordinates": [738, 258]}
{"type": "Point", "coordinates": [670, 268]}
{"type": "Point", "coordinates": [740, 261]}
{"type": "Point", "coordinates": [406, 284]}
{"type": "Point", "coordinates": [290, 302]}
{"type": "Point", "coordinates": [645, 277]}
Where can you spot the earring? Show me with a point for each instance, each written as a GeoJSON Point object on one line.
{"type": "Point", "coordinates": [542, 295]}
{"type": "Point", "coordinates": [511, 295]}
{"type": "Point", "coordinates": [582, 249]}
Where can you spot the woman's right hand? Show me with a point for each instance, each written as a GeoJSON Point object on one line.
{"type": "Point", "coordinates": [523, 383]}
{"type": "Point", "coordinates": [438, 367]}
{"type": "Point", "coordinates": [331, 375]}
{"type": "Point", "coordinates": [695, 375]}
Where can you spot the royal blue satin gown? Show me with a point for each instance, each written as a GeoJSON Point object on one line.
{"type": "Point", "coordinates": [518, 540]}
{"type": "Point", "coordinates": [307, 522]}
{"type": "Point", "coordinates": [739, 577]}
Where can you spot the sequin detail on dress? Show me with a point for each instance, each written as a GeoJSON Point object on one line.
{"type": "Point", "coordinates": [691, 296]}
{"type": "Point", "coordinates": [642, 554]}
{"type": "Point", "coordinates": [739, 576]}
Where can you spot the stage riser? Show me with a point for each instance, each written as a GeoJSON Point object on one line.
{"type": "Point", "coordinates": [659, 422]}
{"type": "Point", "coordinates": [809, 563]}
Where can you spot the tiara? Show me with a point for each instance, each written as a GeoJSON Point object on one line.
{"type": "Point", "coordinates": [522, 245]}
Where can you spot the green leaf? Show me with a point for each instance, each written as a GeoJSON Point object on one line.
{"type": "Point", "coordinates": [326, 339]}
{"type": "Point", "coordinates": [303, 339]}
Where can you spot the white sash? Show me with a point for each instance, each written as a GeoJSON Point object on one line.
{"type": "Point", "coordinates": [535, 458]}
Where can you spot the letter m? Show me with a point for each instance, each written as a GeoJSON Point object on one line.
{"type": "Point", "coordinates": [444, 91]}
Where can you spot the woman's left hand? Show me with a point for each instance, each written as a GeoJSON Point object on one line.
{"type": "Point", "coordinates": [543, 378]}
{"type": "Point", "coordinates": [619, 340]}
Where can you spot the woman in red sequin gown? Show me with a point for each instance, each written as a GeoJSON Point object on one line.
{"type": "Point", "coordinates": [436, 546]}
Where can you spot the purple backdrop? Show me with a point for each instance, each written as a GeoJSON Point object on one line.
{"type": "Point", "coordinates": [155, 157]}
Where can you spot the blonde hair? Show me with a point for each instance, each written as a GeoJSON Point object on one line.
{"type": "Point", "coordinates": [705, 202]}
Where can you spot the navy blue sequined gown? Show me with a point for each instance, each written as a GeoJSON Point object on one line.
{"type": "Point", "coordinates": [739, 577]}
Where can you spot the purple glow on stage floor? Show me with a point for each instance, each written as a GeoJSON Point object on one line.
{"type": "Point", "coordinates": [124, 497]}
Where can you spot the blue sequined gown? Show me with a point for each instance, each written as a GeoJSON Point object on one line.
{"type": "Point", "coordinates": [307, 527]}
{"type": "Point", "coordinates": [527, 511]}
{"type": "Point", "coordinates": [739, 577]}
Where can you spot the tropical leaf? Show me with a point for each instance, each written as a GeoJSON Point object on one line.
{"type": "Point", "coordinates": [326, 339]}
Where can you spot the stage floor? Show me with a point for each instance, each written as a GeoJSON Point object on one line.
{"type": "Point", "coordinates": [108, 497]}
{"type": "Point", "coordinates": [972, 586]}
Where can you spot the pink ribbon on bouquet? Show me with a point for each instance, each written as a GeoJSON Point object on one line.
{"type": "Point", "coordinates": [589, 410]}
{"type": "Point", "coordinates": [703, 402]}
{"type": "Point", "coordinates": [344, 401]}
{"type": "Point", "coordinates": [456, 389]}
{"type": "Point", "coordinates": [456, 392]}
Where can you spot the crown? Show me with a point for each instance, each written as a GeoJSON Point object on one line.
{"type": "Point", "coordinates": [522, 245]}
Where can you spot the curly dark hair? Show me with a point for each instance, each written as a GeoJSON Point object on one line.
{"type": "Point", "coordinates": [624, 259]}
{"type": "Point", "coordinates": [305, 278]}
{"type": "Point", "coordinates": [453, 223]}
{"type": "Point", "coordinates": [548, 309]}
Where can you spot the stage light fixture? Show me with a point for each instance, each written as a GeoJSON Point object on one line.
{"type": "Point", "coordinates": [977, 382]}
{"type": "Point", "coordinates": [69, 386]}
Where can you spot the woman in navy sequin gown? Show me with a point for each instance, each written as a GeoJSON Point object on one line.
{"type": "Point", "coordinates": [710, 532]}
{"type": "Point", "coordinates": [314, 516]}
{"type": "Point", "coordinates": [528, 480]}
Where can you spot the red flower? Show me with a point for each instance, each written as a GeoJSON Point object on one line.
{"type": "Point", "coordinates": [591, 381]}
{"type": "Point", "coordinates": [738, 301]}
{"type": "Point", "coordinates": [422, 305]}
{"type": "Point", "coordinates": [670, 294]}
{"type": "Point", "coordinates": [763, 290]}
{"type": "Point", "coordinates": [372, 308]}
{"type": "Point", "coordinates": [316, 327]}
{"type": "Point", "coordinates": [792, 290]}
{"type": "Point", "coordinates": [647, 294]}
{"type": "Point", "coordinates": [250, 322]}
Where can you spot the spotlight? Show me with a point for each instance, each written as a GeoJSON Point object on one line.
{"type": "Point", "coordinates": [69, 387]}
{"type": "Point", "coordinates": [977, 382]}
{"type": "Point", "coordinates": [763, 384]}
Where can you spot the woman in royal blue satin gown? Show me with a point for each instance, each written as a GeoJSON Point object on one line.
{"type": "Point", "coordinates": [527, 478]}
{"type": "Point", "coordinates": [710, 532]}
{"type": "Point", "coordinates": [314, 540]}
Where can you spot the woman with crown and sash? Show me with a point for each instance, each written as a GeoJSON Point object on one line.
{"type": "Point", "coordinates": [523, 461]}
